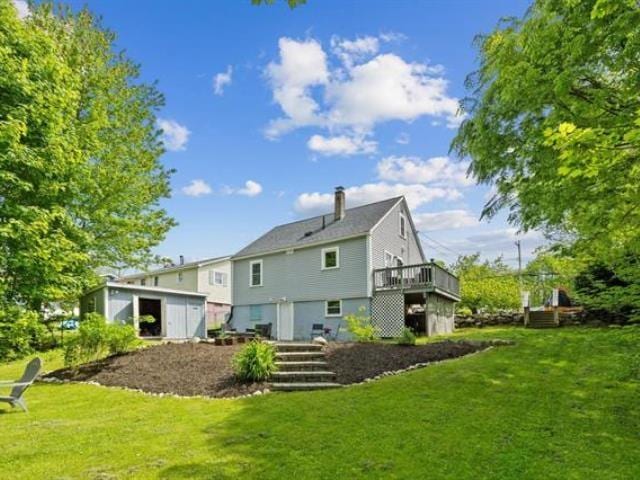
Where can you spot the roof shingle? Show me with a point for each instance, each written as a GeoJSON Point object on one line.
{"type": "Point", "coordinates": [358, 220]}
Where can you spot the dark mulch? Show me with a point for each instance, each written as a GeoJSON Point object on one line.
{"type": "Point", "coordinates": [355, 362]}
{"type": "Point", "coordinates": [182, 369]}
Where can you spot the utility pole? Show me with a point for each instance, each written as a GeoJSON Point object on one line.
{"type": "Point", "coordinates": [519, 264]}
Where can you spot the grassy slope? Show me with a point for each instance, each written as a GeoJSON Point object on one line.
{"type": "Point", "coordinates": [560, 404]}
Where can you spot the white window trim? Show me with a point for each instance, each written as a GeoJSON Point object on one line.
{"type": "Point", "coordinates": [326, 308]}
{"type": "Point", "coordinates": [327, 250]}
{"type": "Point", "coordinates": [390, 256]}
{"type": "Point", "coordinates": [401, 261]}
{"type": "Point", "coordinates": [400, 221]}
{"type": "Point", "coordinates": [251, 264]}
{"type": "Point", "coordinates": [212, 278]}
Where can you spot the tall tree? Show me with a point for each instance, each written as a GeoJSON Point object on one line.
{"type": "Point", "coordinates": [554, 122]}
{"type": "Point", "coordinates": [80, 173]}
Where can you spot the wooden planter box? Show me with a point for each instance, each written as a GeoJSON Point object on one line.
{"type": "Point", "coordinates": [224, 341]}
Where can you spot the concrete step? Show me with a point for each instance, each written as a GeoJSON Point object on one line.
{"type": "Point", "coordinates": [291, 387]}
{"type": "Point", "coordinates": [299, 356]}
{"type": "Point", "coordinates": [301, 366]}
{"type": "Point", "coordinates": [306, 377]}
{"type": "Point", "coordinates": [297, 347]}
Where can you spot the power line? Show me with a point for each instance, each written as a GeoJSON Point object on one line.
{"type": "Point", "coordinates": [424, 235]}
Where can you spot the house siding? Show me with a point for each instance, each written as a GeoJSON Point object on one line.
{"type": "Point", "coordinates": [386, 236]}
{"type": "Point", "coordinates": [299, 276]}
{"type": "Point", "coordinates": [305, 314]}
{"type": "Point", "coordinates": [215, 293]}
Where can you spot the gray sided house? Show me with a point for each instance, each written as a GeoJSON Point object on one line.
{"type": "Point", "coordinates": [318, 270]}
{"type": "Point", "coordinates": [178, 314]}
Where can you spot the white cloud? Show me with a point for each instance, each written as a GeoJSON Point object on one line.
{"type": "Point", "coordinates": [416, 195]}
{"type": "Point", "coordinates": [368, 88]}
{"type": "Point", "coordinates": [221, 80]}
{"type": "Point", "coordinates": [403, 138]}
{"type": "Point", "coordinates": [250, 189]}
{"type": "Point", "coordinates": [197, 188]}
{"type": "Point", "coordinates": [445, 220]}
{"type": "Point", "coordinates": [435, 170]}
{"type": "Point", "coordinates": [341, 145]}
{"type": "Point", "coordinates": [174, 135]}
{"type": "Point", "coordinates": [410, 91]}
{"type": "Point", "coordinates": [302, 65]}
{"type": "Point", "coordinates": [22, 7]}
{"type": "Point", "coordinates": [350, 51]}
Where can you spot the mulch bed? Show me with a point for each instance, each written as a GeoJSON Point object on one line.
{"type": "Point", "coordinates": [189, 369]}
{"type": "Point", "coordinates": [179, 368]}
{"type": "Point", "coordinates": [355, 362]}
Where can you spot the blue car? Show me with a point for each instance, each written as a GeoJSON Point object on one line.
{"type": "Point", "coordinates": [71, 324]}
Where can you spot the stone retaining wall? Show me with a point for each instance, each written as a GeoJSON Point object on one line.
{"type": "Point", "coordinates": [590, 318]}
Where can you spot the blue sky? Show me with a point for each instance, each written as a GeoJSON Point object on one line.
{"type": "Point", "coordinates": [268, 109]}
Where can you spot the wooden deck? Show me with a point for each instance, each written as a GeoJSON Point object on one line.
{"type": "Point", "coordinates": [426, 277]}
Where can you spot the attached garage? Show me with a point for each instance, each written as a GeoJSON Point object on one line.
{"type": "Point", "coordinates": [178, 314]}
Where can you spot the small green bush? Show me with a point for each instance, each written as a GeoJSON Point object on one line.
{"type": "Point", "coordinates": [464, 312]}
{"type": "Point", "coordinates": [360, 326]}
{"type": "Point", "coordinates": [255, 362]}
{"type": "Point", "coordinates": [96, 338]}
{"type": "Point", "coordinates": [407, 338]}
{"type": "Point", "coordinates": [21, 333]}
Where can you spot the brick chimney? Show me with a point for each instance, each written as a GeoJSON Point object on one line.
{"type": "Point", "coordinates": [339, 204]}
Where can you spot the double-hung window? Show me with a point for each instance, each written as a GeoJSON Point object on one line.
{"type": "Point", "coordinates": [403, 226]}
{"type": "Point", "coordinates": [217, 278]}
{"type": "Point", "coordinates": [255, 273]}
{"type": "Point", "coordinates": [333, 308]}
{"type": "Point", "coordinates": [330, 258]}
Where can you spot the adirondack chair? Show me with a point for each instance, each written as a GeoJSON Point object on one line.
{"type": "Point", "coordinates": [18, 387]}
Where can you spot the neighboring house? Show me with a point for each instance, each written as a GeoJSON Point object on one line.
{"type": "Point", "coordinates": [177, 313]}
{"type": "Point", "coordinates": [319, 269]}
{"type": "Point", "coordinates": [210, 276]}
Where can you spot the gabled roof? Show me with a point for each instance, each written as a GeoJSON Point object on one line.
{"type": "Point", "coordinates": [124, 286]}
{"type": "Point", "coordinates": [357, 221]}
{"type": "Point", "coordinates": [175, 268]}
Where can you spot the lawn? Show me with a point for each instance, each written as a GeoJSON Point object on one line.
{"type": "Point", "coordinates": [559, 404]}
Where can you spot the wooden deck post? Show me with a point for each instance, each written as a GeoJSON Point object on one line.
{"type": "Point", "coordinates": [555, 301]}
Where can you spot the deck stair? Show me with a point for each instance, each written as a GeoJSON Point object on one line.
{"type": "Point", "coordinates": [542, 319]}
{"type": "Point", "coordinates": [301, 366]}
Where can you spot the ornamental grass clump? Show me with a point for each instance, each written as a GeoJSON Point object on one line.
{"type": "Point", "coordinates": [408, 338]}
{"type": "Point", "coordinates": [255, 362]}
{"type": "Point", "coordinates": [361, 327]}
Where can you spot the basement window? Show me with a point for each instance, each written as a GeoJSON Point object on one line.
{"type": "Point", "coordinates": [255, 313]}
{"type": "Point", "coordinates": [333, 308]}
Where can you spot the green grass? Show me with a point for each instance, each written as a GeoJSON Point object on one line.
{"type": "Point", "coordinates": [561, 404]}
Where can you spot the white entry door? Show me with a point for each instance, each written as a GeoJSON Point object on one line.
{"type": "Point", "coordinates": [285, 321]}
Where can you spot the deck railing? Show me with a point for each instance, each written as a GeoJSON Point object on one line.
{"type": "Point", "coordinates": [424, 275]}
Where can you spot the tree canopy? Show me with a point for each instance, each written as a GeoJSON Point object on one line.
{"type": "Point", "coordinates": [80, 176]}
{"type": "Point", "coordinates": [487, 286]}
{"type": "Point", "coordinates": [554, 122]}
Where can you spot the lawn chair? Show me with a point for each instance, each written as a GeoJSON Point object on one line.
{"type": "Point", "coordinates": [317, 330]}
{"type": "Point", "coordinates": [18, 387]}
{"type": "Point", "coordinates": [263, 330]}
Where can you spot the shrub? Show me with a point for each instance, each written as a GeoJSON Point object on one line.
{"type": "Point", "coordinates": [95, 339]}
{"type": "Point", "coordinates": [464, 311]}
{"type": "Point", "coordinates": [360, 326]}
{"type": "Point", "coordinates": [21, 333]}
{"type": "Point", "coordinates": [255, 362]}
{"type": "Point", "coordinates": [407, 338]}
